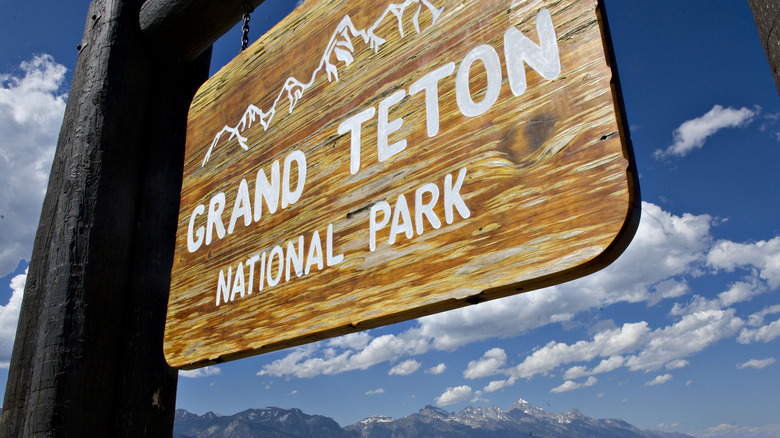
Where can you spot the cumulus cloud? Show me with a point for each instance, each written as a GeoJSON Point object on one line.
{"type": "Point", "coordinates": [571, 386]}
{"type": "Point", "coordinates": [488, 365]}
{"type": "Point", "coordinates": [200, 372]}
{"type": "Point", "coordinates": [300, 363]}
{"type": "Point", "coordinates": [736, 431]}
{"type": "Point", "coordinates": [676, 364]}
{"type": "Point", "coordinates": [763, 255]}
{"type": "Point", "coordinates": [667, 250]}
{"type": "Point", "coordinates": [405, 368]}
{"type": "Point", "coordinates": [354, 341]}
{"type": "Point", "coordinates": [9, 318]}
{"type": "Point", "coordinates": [375, 391]}
{"type": "Point", "coordinates": [634, 345]}
{"type": "Point", "coordinates": [665, 246]}
{"type": "Point", "coordinates": [606, 343]}
{"type": "Point", "coordinates": [756, 363]}
{"type": "Point", "coordinates": [438, 369]}
{"type": "Point", "coordinates": [659, 380]}
{"type": "Point", "coordinates": [454, 395]}
{"type": "Point", "coordinates": [604, 366]}
{"type": "Point", "coordinates": [692, 334]}
{"type": "Point", "coordinates": [497, 385]}
{"type": "Point", "coordinates": [757, 319]}
{"type": "Point", "coordinates": [31, 109]}
{"type": "Point", "coordinates": [693, 133]}
{"type": "Point", "coordinates": [763, 334]}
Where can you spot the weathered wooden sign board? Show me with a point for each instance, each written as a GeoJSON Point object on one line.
{"type": "Point", "coordinates": [370, 162]}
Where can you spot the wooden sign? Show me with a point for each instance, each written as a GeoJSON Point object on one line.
{"type": "Point", "coordinates": [366, 163]}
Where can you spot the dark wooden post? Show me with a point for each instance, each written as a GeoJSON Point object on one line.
{"type": "Point", "coordinates": [87, 360]}
{"type": "Point", "coordinates": [767, 16]}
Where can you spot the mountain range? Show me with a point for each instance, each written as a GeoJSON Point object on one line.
{"type": "Point", "coordinates": [521, 419]}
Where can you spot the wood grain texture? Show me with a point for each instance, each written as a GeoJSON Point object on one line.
{"type": "Point", "coordinates": [549, 181]}
{"type": "Point", "coordinates": [87, 358]}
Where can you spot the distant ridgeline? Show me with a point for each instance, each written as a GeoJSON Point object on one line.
{"type": "Point", "coordinates": [521, 419]}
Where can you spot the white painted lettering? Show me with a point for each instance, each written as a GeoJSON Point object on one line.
{"type": "Point", "coordinates": [238, 282]}
{"type": "Point", "coordinates": [426, 209]}
{"type": "Point", "coordinates": [214, 222]}
{"type": "Point", "coordinates": [452, 197]}
{"type": "Point", "coordinates": [332, 260]}
{"type": "Point", "coordinates": [262, 273]}
{"type": "Point", "coordinates": [290, 197]}
{"type": "Point", "coordinates": [279, 253]}
{"type": "Point", "coordinates": [267, 190]}
{"type": "Point", "coordinates": [430, 83]}
{"type": "Point", "coordinates": [373, 225]}
{"type": "Point", "coordinates": [314, 256]}
{"type": "Point", "coordinates": [492, 65]}
{"type": "Point", "coordinates": [193, 245]}
{"type": "Point", "coordinates": [294, 259]}
{"type": "Point", "coordinates": [402, 220]}
{"type": "Point", "coordinates": [251, 263]}
{"type": "Point", "coordinates": [353, 125]}
{"type": "Point", "coordinates": [401, 216]}
{"type": "Point", "coordinates": [385, 127]}
{"type": "Point", "coordinates": [242, 207]}
{"type": "Point", "coordinates": [223, 285]}
{"type": "Point", "coordinates": [543, 58]}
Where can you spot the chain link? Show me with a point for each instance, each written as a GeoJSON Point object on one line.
{"type": "Point", "coordinates": [248, 9]}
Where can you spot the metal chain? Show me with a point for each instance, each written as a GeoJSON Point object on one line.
{"type": "Point", "coordinates": [248, 9]}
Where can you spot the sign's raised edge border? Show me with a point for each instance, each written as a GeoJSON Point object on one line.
{"type": "Point", "coordinates": [604, 259]}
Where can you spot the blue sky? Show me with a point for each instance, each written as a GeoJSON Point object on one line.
{"type": "Point", "coordinates": [679, 334]}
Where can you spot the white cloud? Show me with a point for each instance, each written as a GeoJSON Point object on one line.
{"type": "Point", "coordinates": [693, 333]}
{"type": "Point", "coordinates": [488, 365]}
{"type": "Point", "coordinates": [693, 133]}
{"type": "Point", "coordinates": [736, 431]}
{"type": "Point", "coordinates": [9, 318]}
{"type": "Point", "coordinates": [764, 255]}
{"type": "Point", "coordinates": [498, 385]}
{"type": "Point", "coordinates": [375, 391]}
{"type": "Point", "coordinates": [677, 364]}
{"type": "Point", "coordinates": [571, 386]}
{"type": "Point", "coordinates": [756, 363]}
{"type": "Point", "coordinates": [299, 362]}
{"type": "Point", "coordinates": [757, 319]}
{"type": "Point", "coordinates": [576, 372]}
{"type": "Point", "coordinates": [739, 292]}
{"type": "Point", "coordinates": [200, 372]}
{"type": "Point", "coordinates": [454, 395]}
{"type": "Point", "coordinates": [665, 246]}
{"type": "Point", "coordinates": [438, 369]}
{"type": "Point", "coordinates": [405, 368]}
{"type": "Point", "coordinates": [606, 343]}
{"type": "Point", "coordinates": [608, 365]}
{"type": "Point", "coordinates": [763, 334]}
{"type": "Point", "coordinates": [659, 380]}
{"type": "Point", "coordinates": [31, 110]}
{"type": "Point", "coordinates": [604, 366]}
{"type": "Point", "coordinates": [354, 341]}
{"type": "Point", "coordinates": [667, 250]}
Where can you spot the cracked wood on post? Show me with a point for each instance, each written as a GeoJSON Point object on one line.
{"type": "Point", "coordinates": [87, 358]}
{"type": "Point", "coordinates": [360, 165]}
{"type": "Point", "coordinates": [767, 16]}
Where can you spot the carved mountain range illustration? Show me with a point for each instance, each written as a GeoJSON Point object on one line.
{"type": "Point", "coordinates": [342, 48]}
